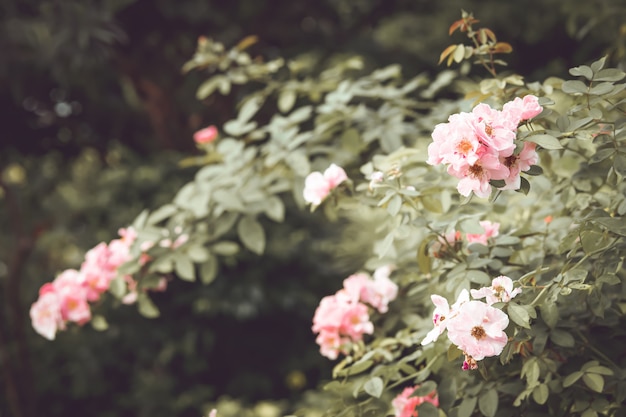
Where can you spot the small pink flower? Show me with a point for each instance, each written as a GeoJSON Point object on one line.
{"type": "Point", "coordinates": [45, 313]}
{"type": "Point", "coordinates": [206, 135]}
{"type": "Point", "coordinates": [72, 292]}
{"type": "Point", "coordinates": [491, 230]}
{"type": "Point", "coordinates": [317, 186]}
{"type": "Point", "coordinates": [501, 290]}
{"type": "Point", "coordinates": [376, 178]}
{"type": "Point", "coordinates": [404, 405]}
{"type": "Point", "coordinates": [213, 413]}
{"type": "Point", "coordinates": [478, 330]}
{"type": "Point", "coordinates": [523, 108]}
{"type": "Point", "coordinates": [335, 175]}
{"type": "Point", "coordinates": [339, 320]}
{"type": "Point", "coordinates": [442, 315]}
{"type": "Point", "coordinates": [520, 163]}
{"type": "Point", "coordinates": [377, 292]}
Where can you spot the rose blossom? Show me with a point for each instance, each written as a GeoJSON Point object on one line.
{"type": "Point", "coordinates": [442, 315]}
{"type": "Point", "coordinates": [491, 230]}
{"type": "Point", "coordinates": [501, 290]}
{"type": "Point", "coordinates": [206, 135]}
{"type": "Point", "coordinates": [478, 147]}
{"type": "Point", "coordinates": [478, 330]}
{"type": "Point", "coordinates": [340, 319]}
{"type": "Point", "coordinates": [45, 313]}
{"type": "Point", "coordinates": [404, 405]}
{"type": "Point", "coordinates": [377, 292]}
{"type": "Point", "coordinates": [70, 288]}
{"type": "Point", "coordinates": [317, 186]}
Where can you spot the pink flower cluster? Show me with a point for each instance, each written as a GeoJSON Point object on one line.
{"type": "Point", "coordinates": [404, 405]}
{"type": "Point", "coordinates": [475, 327]}
{"type": "Point", "coordinates": [452, 240]}
{"type": "Point", "coordinates": [317, 186]}
{"type": "Point", "coordinates": [343, 318]}
{"type": "Point", "coordinates": [480, 146]}
{"type": "Point", "coordinates": [66, 298]}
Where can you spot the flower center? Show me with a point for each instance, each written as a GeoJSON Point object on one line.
{"type": "Point", "coordinates": [488, 130]}
{"type": "Point", "coordinates": [510, 161]}
{"type": "Point", "coordinates": [476, 171]}
{"type": "Point", "coordinates": [464, 147]}
{"type": "Point", "coordinates": [478, 332]}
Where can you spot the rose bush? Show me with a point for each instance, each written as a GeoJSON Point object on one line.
{"type": "Point", "coordinates": [548, 259]}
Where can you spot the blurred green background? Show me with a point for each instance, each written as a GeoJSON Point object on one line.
{"type": "Point", "coordinates": [96, 115]}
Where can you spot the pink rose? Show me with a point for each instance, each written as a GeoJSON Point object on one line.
{"type": "Point", "coordinates": [501, 290]}
{"type": "Point", "coordinates": [317, 186]}
{"type": "Point", "coordinates": [206, 135]}
{"type": "Point", "coordinates": [491, 230]}
{"type": "Point", "coordinates": [478, 330]}
{"type": "Point", "coordinates": [45, 313]}
{"type": "Point", "coordinates": [404, 405]}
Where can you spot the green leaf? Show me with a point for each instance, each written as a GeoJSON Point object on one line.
{"type": "Point", "coordinates": [519, 315]}
{"type": "Point", "coordinates": [453, 352]}
{"type": "Point", "coordinates": [423, 258]}
{"type": "Point", "coordinates": [609, 74]}
{"type": "Point", "coordinates": [251, 234]}
{"type": "Point", "coordinates": [161, 214]}
{"type": "Point", "coordinates": [374, 387]}
{"type": "Point", "coordinates": [549, 313]}
{"type": "Point", "coordinates": [534, 170]}
{"type": "Point", "coordinates": [140, 220]}
{"type": "Point", "coordinates": [602, 88]}
{"type": "Point", "coordinates": [488, 403]}
{"type": "Point", "coordinates": [562, 338]}
{"type": "Point", "coordinates": [467, 407]}
{"type": "Point", "coordinates": [394, 205]}
{"type": "Point", "coordinates": [545, 141]}
{"type": "Point", "coordinates": [249, 108]}
{"type": "Point", "coordinates": [472, 226]}
{"type": "Point", "coordinates": [225, 248]}
{"type": "Point", "coordinates": [541, 393]}
{"type": "Point", "coordinates": [596, 66]}
{"type": "Point", "coordinates": [427, 409]}
{"type": "Point", "coordinates": [275, 209]}
{"type": "Point", "coordinates": [184, 268]}
{"type": "Point", "coordinates": [598, 369]}
{"type": "Point", "coordinates": [478, 277]}
{"type": "Point", "coordinates": [601, 155]}
{"type": "Point", "coordinates": [357, 368]}
{"type": "Point", "coordinates": [117, 287]}
{"type": "Point", "coordinates": [572, 378]}
{"type": "Point", "coordinates": [594, 381]}
{"type": "Point", "coordinates": [524, 186]}
{"type": "Point", "coordinates": [208, 87]}
{"type": "Point", "coordinates": [208, 270]}
{"type": "Point", "coordinates": [99, 323]}
{"type": "Point", "coordinates": [619, 164]}
{"type": "Point", "coordinates": [147, 307]}
{"type": "Point", "coordinates": [424, 389]}
{"type": "Point", "coordinates": [574, 87]}
{"type": "Point", "coordinates": [589, 413]}
{"type": "Point", "coordinates": [582, 71]}
{"type": "Point", "coordinates": [613, 224]}
{"type": "Point", "coordinates": [286, 100]}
